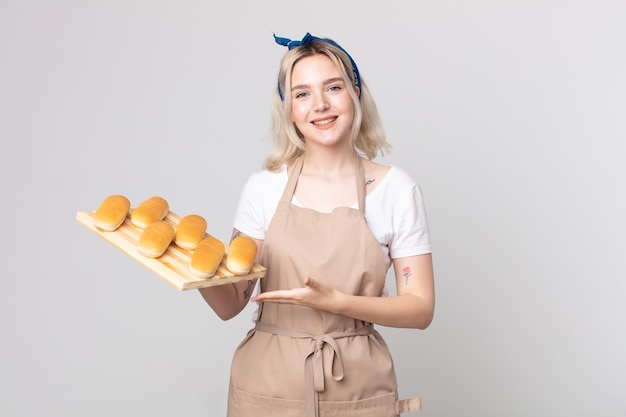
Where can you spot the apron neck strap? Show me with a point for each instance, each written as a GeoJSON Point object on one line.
{"type": "Point", "coordinates": [290, 188]}
{"type": "Point", "coordinates": [292, 181]}
{"type": "Point", "coordinates": [360, 183]}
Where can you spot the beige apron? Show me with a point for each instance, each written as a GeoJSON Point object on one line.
{"type": "Point", "coordinates": [299, 361]}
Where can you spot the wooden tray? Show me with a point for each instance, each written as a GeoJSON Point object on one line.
{"type": "Point", "coordinates": [173, 265]}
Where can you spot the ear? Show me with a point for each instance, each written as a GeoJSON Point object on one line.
{"type": "Point", "coordinates": [358, 91]}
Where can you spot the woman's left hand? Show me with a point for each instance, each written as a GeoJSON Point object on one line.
{"type": "Point", "coordinates": [313, 294]}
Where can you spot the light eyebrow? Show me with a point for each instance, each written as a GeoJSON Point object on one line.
{"type": "Point", "coordinates": [326, 82]}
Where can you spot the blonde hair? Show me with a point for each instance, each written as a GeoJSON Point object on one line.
{"type": "Point", "coordinates": [367, 134]}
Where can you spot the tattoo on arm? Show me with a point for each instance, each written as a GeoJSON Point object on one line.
{"type": "Point", "coordinates": [248, 292]}
{"type": "Point", "coordinates": [236, 233]}
{"type": "Point", "coordinates": [406, 273]}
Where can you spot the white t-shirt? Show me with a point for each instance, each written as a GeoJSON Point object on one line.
{"type": "Point", "coordinates": [394, 211]}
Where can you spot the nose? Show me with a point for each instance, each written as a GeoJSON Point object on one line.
{"type": "Point", "coordinates": [321, 103]}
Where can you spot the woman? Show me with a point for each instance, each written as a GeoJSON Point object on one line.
{"type": "Point", "coordinates": [328, 222]}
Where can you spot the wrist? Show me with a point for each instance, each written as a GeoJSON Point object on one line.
{"type": "Point", "coordinates": [340, 304]}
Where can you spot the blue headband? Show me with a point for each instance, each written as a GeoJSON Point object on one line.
{"type": "Point", "coordinates": [308, 38]}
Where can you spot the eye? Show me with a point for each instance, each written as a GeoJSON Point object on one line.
{"type": "Point", "coordinates": [335, 87]}
{"type": "Point", "coordinates": [300, 94]}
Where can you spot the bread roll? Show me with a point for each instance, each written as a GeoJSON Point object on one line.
{"type": "Point", "coordinates": [155, 239]}
{"type": "Point", "coordinates": [241, 253]}
{"type": "Point", "coordinates": [207, 257]}
{"type": "Point", "coordinates": [111, 213]}
{"type": "Point", "coordinates": [190, 231]}
{"type": "Point", "coordinates": [152, 210]}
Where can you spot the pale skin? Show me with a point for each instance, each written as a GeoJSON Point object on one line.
{"type": "Point", "coordinates": [322, 110]}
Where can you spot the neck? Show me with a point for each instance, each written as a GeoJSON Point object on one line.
{"type": "Point", "coordinates": [328, 163]}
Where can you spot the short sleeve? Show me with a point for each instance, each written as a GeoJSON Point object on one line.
{"type": "Point", "coordinates": [248, 216]}
{"type": "Point", "coordinates": [410, 225]}
{"type": "Point", "coordinates": [258, 201]}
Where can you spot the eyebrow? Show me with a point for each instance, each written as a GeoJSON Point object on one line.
{"type": "Point", "coordinates": [326, 82]}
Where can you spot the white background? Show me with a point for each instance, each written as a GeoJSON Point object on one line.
{"type": "Point", "coordinates": [509, 114]}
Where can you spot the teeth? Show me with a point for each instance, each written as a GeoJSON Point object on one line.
{"type": "Point", "coordinates": [324, 122]}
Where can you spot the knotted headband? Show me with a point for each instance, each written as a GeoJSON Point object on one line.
{"type": "Point", "coordinates": [306, 40]}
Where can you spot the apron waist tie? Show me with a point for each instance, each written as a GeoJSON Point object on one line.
{"type": "Point", "coordinates": [314, 361]}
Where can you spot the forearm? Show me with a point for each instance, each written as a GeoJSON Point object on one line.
{"type": "Point", "coordinates": [413, 307]}
{"type": "Point", "coordinates": [228, 300]}
{"type": "Point", "coordinates": [407, 311]}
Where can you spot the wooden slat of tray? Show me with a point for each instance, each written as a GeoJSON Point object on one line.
{"type": "Point", "coordinates": [173, 265]}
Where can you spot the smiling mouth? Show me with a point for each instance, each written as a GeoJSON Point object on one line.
{"type": "Point", "coordinates": [324, 122]}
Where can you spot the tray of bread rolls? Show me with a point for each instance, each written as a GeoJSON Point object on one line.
{"type": "Point", "coordinates": [173, 263]}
